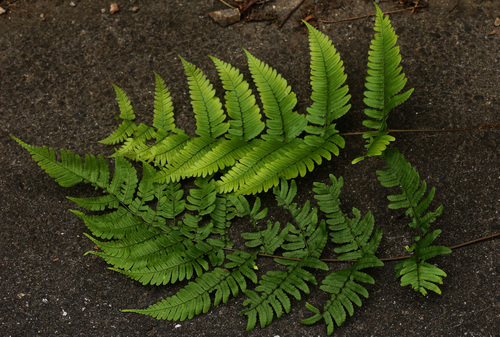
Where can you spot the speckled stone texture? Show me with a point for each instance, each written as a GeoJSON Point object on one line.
{"type": "Point", "coordinates": [55, 90]}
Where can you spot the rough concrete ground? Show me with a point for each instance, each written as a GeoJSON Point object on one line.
{"type": "Point", "coordinates": [55, 90]}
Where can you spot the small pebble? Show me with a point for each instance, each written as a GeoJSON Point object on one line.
{"type": "Point", "coordinates": [113, 8]}
{"type": "Point", "coordinates": [226, 17]}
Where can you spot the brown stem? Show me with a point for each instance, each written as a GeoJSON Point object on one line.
{"type": "Point", "coordinates": [480, 127]}
{"type": "Point", "coordinates": [492, 236]}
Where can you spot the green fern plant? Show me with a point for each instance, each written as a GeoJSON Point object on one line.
{"type": "Point", "coordinates": [250, 155]}
{"type": "Point", "coordinates": [150, 229]}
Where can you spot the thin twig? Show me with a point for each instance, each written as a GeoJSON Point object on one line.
{"type": "Point", "coordinates": [290, 13]}
{"type": "Point", "coordinates": [225, 3]}
{"type": "Point", "coordinates": [368, 15]}
{"type": "Point", "coordinates": [480, 127]}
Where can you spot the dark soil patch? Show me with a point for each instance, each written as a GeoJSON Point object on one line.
{"type": "Point", "coordinates": [55, 90]}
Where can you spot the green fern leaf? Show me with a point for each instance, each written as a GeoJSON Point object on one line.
{"type": "Point", "coordinates": [142, 247]}
{"type": "Point", "coordinates": [71, 170]}
{"type": "Point", "coordinates": [195, 298]}
{"type": "Point", "coordinates": [206, 106]}
{"type": "Point", "coordinates": [400, 173]}
{"type": "Point", "coordinates": [327, 77]}
{"type": "Point", "coordinates": [174, 267]}
{"type": "Point", "coordinates": [414, 271]}
{"type": "Point", "coordinates": [127, 127]}
{"type": "Point", "coordinates": [242, 207]}
{"type": "Point", "coordinates": [114, 225]}
{"type": "Point", "coordinates": [384, 83]}
{"type": "Point", "coordinates": [357, 242]}
{"type": "Point", "coordinates": [278, 101]}
{"type": "Point", "coordinates": [303, 241]}
{"type": "Point", "coordinates": [247, 165]}
{"type": "Point", "coordinates": [163, 108]}
{"type": "Point", "coordinates": [289, 161]}
{"type": "Point", "coordinates": [224, 211]}
{"type": "Point", "coordinates": [345, 290]}
{"type": "Point", "coordinates": [240, 104]}
{"type": "Point", "coordinates": [423, 276]}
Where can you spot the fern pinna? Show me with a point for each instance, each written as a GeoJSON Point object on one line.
{"type": "Point", "coordinates": [249, 154]}
{"type": "Point", "coordinates": [149, 229]}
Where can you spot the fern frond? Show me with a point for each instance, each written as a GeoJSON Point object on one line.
{"type": "Point", "coordinates": [190, 301]}
{"type": "Point", "coordinates": [354, 234]}
{"type": "Point", "coordinates": [195, 298]}
{"type": "Point", "coordinates": [171, 268]}
{"type": "Point", "coordinates": [304, 240]}
{"type": "Point", "coordinates": [71, 170]}
{"type": "Point", "coordinates": [127, 114]}
{"type": "Point", "coordinates": [240, 104]}
{"type": "Point", "coordinates": [202, 199]}
{"type": "Point", "coordinates": [138, 247]}
{"type": "Point", "coordinates": [246, 166]}
{"type": "Point", "coordinates": [329, 95]}
{"type": "Point", "coordinates": [163, 108]}
{"type": "Point", "coordinates": [271, 296]}
{"type": "Point", "coordinates": [358, 242]}
{"type": "Point", "coordinates": [385, 81]}
{"type": "Point", "coordinates": [278, 101]}
{"type": "Point", "coordinates": [345, 289]}
{"type": "Point", "coordinates": [266, 172]}
{"type": "Point", "coordinates": [114, 225]}
{"type": "Point", "coordinates": [377, 143]}
{"type": "Point", "coordinates": [170, 200]}
{"type": "Point", "coordinates": [243, 208]}
{"type": "Point", "coordinates": [221, 216]}
{"type": "Point", "coordinates": [206, 106]}
{"type": "Point", "coordinates": [414, 271]}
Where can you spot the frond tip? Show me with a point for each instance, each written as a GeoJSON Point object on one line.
{"type": "Point", "coordinates": [385, 81]}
